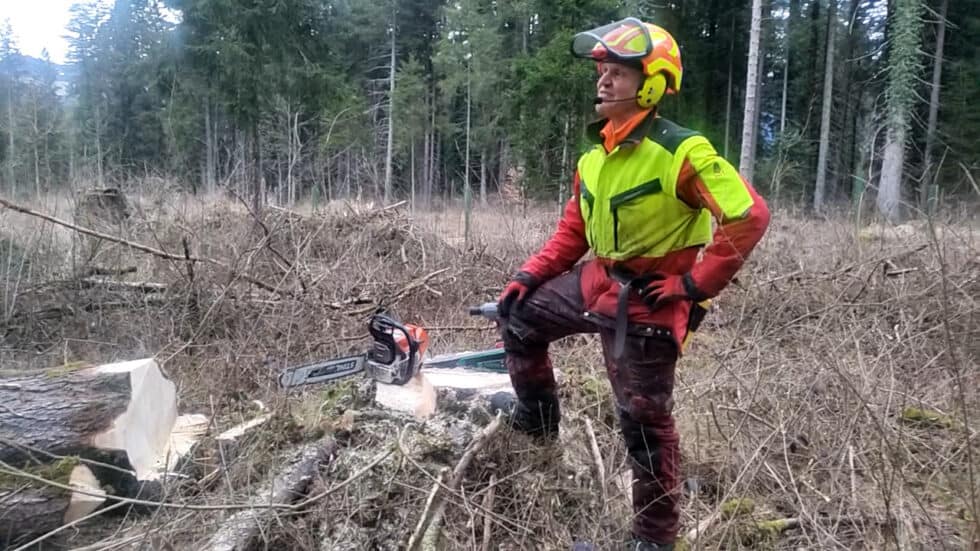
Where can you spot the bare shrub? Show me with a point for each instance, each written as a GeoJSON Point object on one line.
{"type": "Point", "coordinates": [833, 383]}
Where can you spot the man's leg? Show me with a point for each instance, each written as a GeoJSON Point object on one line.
{"type": "Point", "coordinates": [643, 381]}
{"type": "Point", "coordinates": [554, 310]}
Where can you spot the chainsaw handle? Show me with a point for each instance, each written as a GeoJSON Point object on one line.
{"type": "Point", "coordinates": [386, 351]}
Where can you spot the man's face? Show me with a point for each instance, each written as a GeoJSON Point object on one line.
{"type": "Point", "coordinates": [618, 82]}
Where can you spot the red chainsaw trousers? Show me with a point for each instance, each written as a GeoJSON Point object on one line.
{"type": "Point", "coordinates": [642, 380]}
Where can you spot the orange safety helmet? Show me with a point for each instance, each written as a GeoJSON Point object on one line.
{"type": "Point", "coordinates": [643, 45]}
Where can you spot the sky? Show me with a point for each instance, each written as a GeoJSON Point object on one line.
{"type": "Point", "coordinates": [39, 24]}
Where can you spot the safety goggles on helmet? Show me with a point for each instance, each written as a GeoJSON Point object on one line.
{"type": "Point", "coordinates": [625, 41]}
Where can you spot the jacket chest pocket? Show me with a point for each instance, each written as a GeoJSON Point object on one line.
{"type": "Point", "coordinates": [631, 211]}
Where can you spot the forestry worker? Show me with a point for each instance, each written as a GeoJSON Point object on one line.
{"type": "Point", "coordinates": [645, 194]}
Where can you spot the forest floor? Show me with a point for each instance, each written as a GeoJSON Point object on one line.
{"type": "Point", "coordinates": [829, 401]}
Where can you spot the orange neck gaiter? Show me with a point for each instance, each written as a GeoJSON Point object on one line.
{"type": "Point", "coordinates": [612, 135]}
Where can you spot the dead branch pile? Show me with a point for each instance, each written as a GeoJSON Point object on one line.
{"type": "Point", "coordinates": [828, 402]}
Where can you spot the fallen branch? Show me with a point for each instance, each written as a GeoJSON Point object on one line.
{"type": "Point", "coordinates": [56, 312]}
{"type": "Point", "coordinates": [694, 533]}
{"type": "Point", "coordinates": [426, 515]}
{"type": "Point", "coordinates": [400, 294]}
{"type": "Point", "coordinates": [432, 532]}
{"type": "Point", "coordinates": [116, 285]}
{"type": "Point", "coordinates": [138, 246]}
{"type": "Point", "coordinates": [597, 457]}
{"type": "Point", "coordinates": [374, 463]}
{"type": "Point", "coordinates": [488, 505]}
{"type": "Point", "coordinates": [239, 531]}
{"type": "Point", "coordinates": [103, 271]}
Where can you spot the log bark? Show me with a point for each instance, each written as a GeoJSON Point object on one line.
{"type": "Point", "coordinates": [126, 408]}
{"type": "Point", "coordinates": [240, 530]}
{"type": "Point", "coordinates": [109, 430]}
{"type": "Point", "coordinates": [30, 510]}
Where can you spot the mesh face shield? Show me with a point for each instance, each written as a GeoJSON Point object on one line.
{"type": "Point", "coordinates": [625, 41]}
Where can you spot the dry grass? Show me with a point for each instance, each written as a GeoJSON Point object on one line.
{"type": "Point", "coordinates": [834, 382]}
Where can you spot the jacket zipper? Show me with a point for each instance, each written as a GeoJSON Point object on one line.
{"type": "Point", "coordinates": [648, 188]}
{"type": "Point", "coordinates": [615, 214]}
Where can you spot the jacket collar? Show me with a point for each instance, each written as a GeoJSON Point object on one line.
{"type": "Point", "coordinates": [642, 130]}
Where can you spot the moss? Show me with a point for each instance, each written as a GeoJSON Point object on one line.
{"type": "Point", "coordinates": [771, 528]}
{"type": "Point", "coordinates": [926, 418]}
{"type": "Point", "coordinates": [66, 368]}
{"type": "Point", "coordinates": [762, 534]}
{"type": "Point", "coordinates": [59, 471]}
{"type": "Point", "coordinates": [737, 507]}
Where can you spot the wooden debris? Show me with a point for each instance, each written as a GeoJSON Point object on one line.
{"type": "Point", "coordinates": [116, 285]}
{"type": "Point", "coordinates": [240, 530]}
{"type": "Point", "coordinates": [417, 397]}
{"type": "Point", "coordinates": [28, 510]}
{"type": "Point", "coordinates": [128, 407]}
{"type": "Point", "coordinates": [107, 431]}
{"type": "Point", "coordinates": [433, 530]}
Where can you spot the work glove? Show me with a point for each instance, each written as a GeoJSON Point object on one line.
{"type": "Point", "coordinates": [515, 293]}
{"type": "Point", "coordinates": [660, 289]}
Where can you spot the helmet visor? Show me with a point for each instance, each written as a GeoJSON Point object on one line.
{"type": "Point", "coordinates": [625, 40]}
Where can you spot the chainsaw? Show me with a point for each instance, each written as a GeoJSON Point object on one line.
{"type": "Point", "coordinates": [396, 354]}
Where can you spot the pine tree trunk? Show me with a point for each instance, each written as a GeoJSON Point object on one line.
{"type": "Point", "coordinates": [562, 181]}
{"type": "Point", "coordinates": [928, 191]}
{"type": "Point", "coordinates": [258, 193]}
{"type": "Point", "coordinates": [483, 178]}
{"type": "Point", "coordinates": [782, 106]}
{"type": "Point", "coordinates": [760, 71]}
{"type": "Point", "coordinates": [466, 164]}
{"type": "Point", "coordinates": [37, 160]}
{"type": "Point", "coordinates": [391, 119]}
{"type": "Point", "coordinates": [209, 163]}
{"type": "Point", "coordinates": [98, 145]}
{"type": "Point", "coordinates": [11, 152]}
{"type": "Point", "coordinates": [728, 94]}
{"type": "Point", "coordinates": [890, 187]}
{"type": "Point", "coordinates": [433, 144]}
{"type": "Point", "coordinates": [747, 157]}
{"type": "Point", "coordinates": [903, 68]}
{"type": "Point", "coordinates": [425, 165]}
{"type": "Point", "coordinates": [828, 93]}
{"type": "Point", "coordinates": [412, 154]}
{"type": "Point", "coordinates": [347, 175]}
{"type": "Point", "coordinates": [502, 166]}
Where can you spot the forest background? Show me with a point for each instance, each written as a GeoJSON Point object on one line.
{"type": "Point", "coordinates": [819, 103]}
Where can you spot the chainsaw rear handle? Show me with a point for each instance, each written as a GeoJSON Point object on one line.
{"type": "Point", "coordinates": [487, 310]}
{"type": "Point", "coordinates": [385, 363]}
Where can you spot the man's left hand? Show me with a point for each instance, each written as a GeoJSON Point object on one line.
{"type": "Point", "coordinates": [662, 289]}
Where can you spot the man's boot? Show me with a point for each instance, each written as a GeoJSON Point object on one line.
{"type": "Point", "coordinates": [633, 545]}
{"type": "Point", "coordinates": [639, 544]}
{"type": "Point", "coordinates": [538, 418]}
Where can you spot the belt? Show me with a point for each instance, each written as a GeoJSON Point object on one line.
{"type": "Point", "coordinates": [627, 281]}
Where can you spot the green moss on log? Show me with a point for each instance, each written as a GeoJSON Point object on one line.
{"type": "Point", "coordinates": [737, 507]}
{"type": "Point", "coordinates": [926, 418]}
{"type": "Point", "coordinates": [59, 471]}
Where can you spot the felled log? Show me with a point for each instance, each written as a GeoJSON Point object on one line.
{"type": "Point", "coordinates": [126, 408]}
{"type": "Point", "coordinates": [36, 509]}
{"type": "Point", "coordinates": [107, 430]}
{"type": "Point", "coordinates": [109, 284]}
{"type": "Point", "coordinates": [240, 530]}
{"type": "Point", "coordinates": [419, 397]}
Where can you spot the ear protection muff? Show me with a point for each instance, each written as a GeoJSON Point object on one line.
{"type": "Point", "coordinates": [652, 90]}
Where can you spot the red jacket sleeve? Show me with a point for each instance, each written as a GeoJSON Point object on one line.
{"type": "Point", "coordinates": [565, 246]}
{"type": "Point", "coordinates": [734, 238]}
